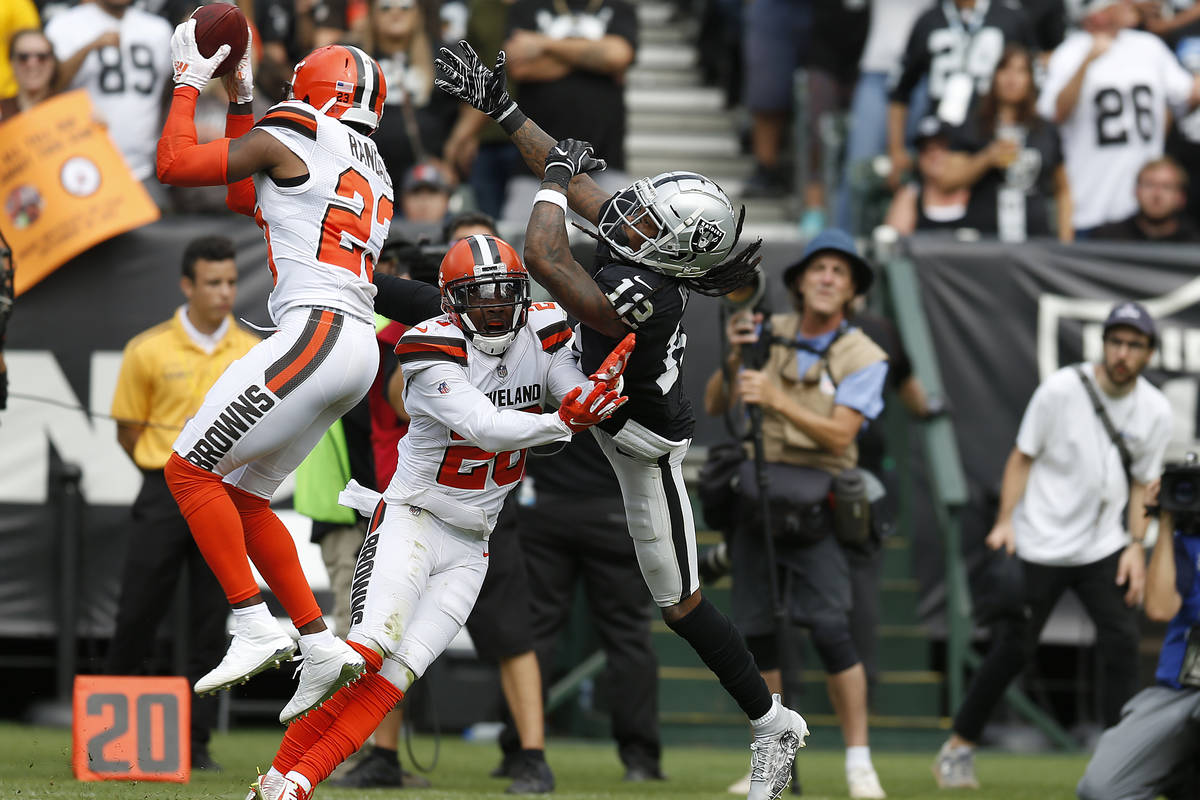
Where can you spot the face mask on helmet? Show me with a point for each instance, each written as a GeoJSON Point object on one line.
{"type": "Point", "coordinates": [485, 290]}
{"type": "Point", "coordinates": [678, 223]}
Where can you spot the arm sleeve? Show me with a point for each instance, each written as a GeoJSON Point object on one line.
{"type": "Point", "coordinates": [182, 162]}
{"type": "Point", "coordinates": [862, 389]}
{"type": "Point", "coordinates": [131, 400]}
{"type": "Point", "coordinates": [406, 301]}
{"type": "Point", "coordinates": [442, 391]}
{"type": "Point", "coordinates": [1059, 70]}
{"type": "Point", "coordinates": [1176, 80]}
{"type": "Point", "coordinates": [240, 196]}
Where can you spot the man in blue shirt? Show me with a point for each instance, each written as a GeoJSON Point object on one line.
{"type": "Point", "coordinates": [818, 380]}
{"type": "Point", "coordinates": [1155, 748]}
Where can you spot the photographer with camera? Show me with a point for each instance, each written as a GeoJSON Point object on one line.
{"type": "Point", "coordinates": [817, 379]}
{"type": "Point", "coordinates": [1092, 438]}
{"type": "Point", "coordinates": [1155, 748]}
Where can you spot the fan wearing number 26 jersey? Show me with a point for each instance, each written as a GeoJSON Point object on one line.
{"type": "Point", "coordinates": [311, 178]}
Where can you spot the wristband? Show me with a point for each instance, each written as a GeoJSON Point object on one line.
{"type": "Point", "coordinates": [550, 196]}
{"type": "Point", "coordinates": [511, 119]}
{"type": "Point", "coordinates": [558, 173]}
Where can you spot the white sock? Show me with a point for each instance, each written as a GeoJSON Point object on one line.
{"type": "Point", "coordinates": [273, 773]}
{"type": "Point", "coordinates": [324, 637]}
{"type": "Point", "coordinates": [769, 717]}
{"type": "Point", "coordinates": [257, 612]}
{"type": "Point", "coordinates": [858, 756]}
{"type": "Point", "coordinates": [300, 780]}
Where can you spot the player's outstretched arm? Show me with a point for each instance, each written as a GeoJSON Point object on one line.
{"type": "Point", "coordinates": [406, 301]}
{"type": "Point", "coordinates": [548, 252]}
{"type": "Point", "coordinates": [460, 73]}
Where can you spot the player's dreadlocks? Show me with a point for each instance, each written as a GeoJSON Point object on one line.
{"type": "Point", "coordinates": [731, 274]}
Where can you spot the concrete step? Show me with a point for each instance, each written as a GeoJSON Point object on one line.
{"type": "Point", "coordinates": [681, 33]}
{"type": "Point", "coordinates": [666, 56]}
{"type": "Point", "coordinates": [655, 121]}
{"type": "Point", "coordinates": [655, 15]}
{"type": "Point", "coordinates": [640, 77]}
{"type": "Point", "coordinates": [697, 100]}
{"type": "Point", "coordinates": [707, 144]}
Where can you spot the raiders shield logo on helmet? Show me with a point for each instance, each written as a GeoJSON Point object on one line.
{"type": "Point", "coordinates": [707, 236]}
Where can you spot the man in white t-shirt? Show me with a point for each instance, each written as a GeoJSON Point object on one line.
{"type": "Point", "coordinates": [1109, 88]}
{"type": "Point", "coordinates": [1065, 485]}
{"type": "Point", "coordinates": [122, 56]}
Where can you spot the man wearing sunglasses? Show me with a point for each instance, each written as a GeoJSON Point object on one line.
{"type": "Point", "coordinates": [1092, 438]}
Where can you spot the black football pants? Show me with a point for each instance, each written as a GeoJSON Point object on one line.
{"type": "Point", "coordinates": [1014, 641]}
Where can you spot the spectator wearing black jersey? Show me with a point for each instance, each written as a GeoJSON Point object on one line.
{"type": "Point", "coordinates": [921, 204]}
{"type": "Point", "coordinates": [1010, 159]}
{"type": "Point", "coordinates": [956, 45]}
{"type": "Point", "coordinates": [1161, 197]}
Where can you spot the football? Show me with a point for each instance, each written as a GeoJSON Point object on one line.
{"type": "Point", "coordinates": [218, 24]}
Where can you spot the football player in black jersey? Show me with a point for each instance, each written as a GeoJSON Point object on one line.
{"type": "Point", "coordinates": [657, 241]}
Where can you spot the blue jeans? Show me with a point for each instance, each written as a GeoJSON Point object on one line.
{"type": "Point", "coordinates": [495, 164]}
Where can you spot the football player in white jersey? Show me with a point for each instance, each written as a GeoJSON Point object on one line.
{"type": "Point", "coordinates": [475, 382]}
{"type": "Point", "coordinates": [1109, 87]}
{"type": "Point", "coordinates": [313, 181]}
{"type": "Point", "coordinates": [121, 55]}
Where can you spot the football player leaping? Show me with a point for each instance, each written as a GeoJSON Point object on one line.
{"type": "Point", "coordinates": [313, 181]}
{"type": "Point", "coordinates": [475, 380]}
{"type": "Point", "coordinates": [660, 239]}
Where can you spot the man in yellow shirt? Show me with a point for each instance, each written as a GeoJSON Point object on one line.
{"type": "Point", "coordinates": [15, 15]}
{"type": "Point", "coordinates": [165, 373]}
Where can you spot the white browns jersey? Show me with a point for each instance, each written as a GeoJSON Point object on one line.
{"type": "Point", "coordinates": [473, 415]}
{"type": "Point", "coordinates": [126, 82]}
{"type": "Point", "coordinates": [1119, 122]}
{"type": "Point", "coordinates": [323, 233]}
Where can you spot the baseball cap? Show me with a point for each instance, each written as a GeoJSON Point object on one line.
{"type": "Point", "coordinates": [834, 240]}
{"type": "Point", "coordinates": [1132, 315]}
{"type": "Point", "coordinates": [425, 175]}
{"type": "Point", "coordinates": [930, 127]}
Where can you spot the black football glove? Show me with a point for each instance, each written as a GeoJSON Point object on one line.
{"type": "Point", "coordinates": [571, 157]}
{"type": "Point", "coordinates": [459, 73]}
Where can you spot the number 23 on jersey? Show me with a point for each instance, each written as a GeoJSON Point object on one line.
{"type": "Point", "coordinates": [345, 230]}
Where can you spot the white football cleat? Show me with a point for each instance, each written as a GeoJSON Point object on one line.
{"type": "Point", "coordinates": [864, 783]}
{"type": "Point", "coordinates": [773, 751]}
{"type": "Point", "coordinates": [325, 669]}
{"type": "Point", "coordinates": [277, 787]}
{"type": "Point", "coordinates": [258, 644]}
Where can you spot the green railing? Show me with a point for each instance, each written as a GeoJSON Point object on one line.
{"type": "Point", "coordinates": [948, 485]}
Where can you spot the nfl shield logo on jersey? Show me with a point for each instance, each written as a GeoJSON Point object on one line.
{"type": "Point", "coordinates": [443, 388]}
{"type": "Point", "coordinates": [707, 236]}
{"type": "Point", "coordinates": [502, 372]}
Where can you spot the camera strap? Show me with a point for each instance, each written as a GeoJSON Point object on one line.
{"type": "Point", "coordinates": [1117, 439]}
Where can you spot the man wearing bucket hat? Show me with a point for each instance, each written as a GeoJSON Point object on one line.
{"type": "Point", "coordinates": [817, 379]}
{"type": "Point", "coordinates": [1092, 437]}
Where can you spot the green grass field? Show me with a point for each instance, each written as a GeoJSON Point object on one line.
{"type": "Point", "coordinates": [35, 765]}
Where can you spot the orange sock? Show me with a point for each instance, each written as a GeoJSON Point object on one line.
{"type": "Point", "coordinates": [303, 733]}
{"type": "Point", "coordinates": [215, 525]}
{"type": "Point", "coordinates": [368, 700]}
{"type": "Point", "coordinates": [272, 550]}
{"type": "Point", "coordinates": [373, 659]}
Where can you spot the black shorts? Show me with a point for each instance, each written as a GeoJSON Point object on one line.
{"type": "Point", "coordinates": [501, 624]}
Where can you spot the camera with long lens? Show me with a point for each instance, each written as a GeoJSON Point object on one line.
{"type": "Point", "coordinates": [1180, 493]}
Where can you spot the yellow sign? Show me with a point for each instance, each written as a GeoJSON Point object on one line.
{"type": "Point", "coordinates": [63, 186]}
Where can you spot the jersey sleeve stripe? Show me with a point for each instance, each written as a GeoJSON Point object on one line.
{"type": "Point", "coordinates": [431, 348]}
{"type": "Point", "coordinates": [310, 351]}
{"type": "Point", "coordinates": [293, 120]}
{"type": "Point", "coordinates": [555, 336]}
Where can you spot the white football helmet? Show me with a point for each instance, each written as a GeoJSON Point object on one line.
{"type": "Point", "coordinates": [697, 227]}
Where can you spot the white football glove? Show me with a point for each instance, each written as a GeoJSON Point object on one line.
{"type": "Point", "coordinates": [191, 68]}
{"type": "Point", "coordinates": [240, 83]}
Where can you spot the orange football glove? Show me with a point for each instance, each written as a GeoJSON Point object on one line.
{"type": "Point", "coordinates": [609, 373]}
{"type": "Point", "coordinates": [580, 414]}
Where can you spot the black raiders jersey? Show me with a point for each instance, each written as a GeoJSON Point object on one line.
{"type": "Point", "coordinates": [652, 305]}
